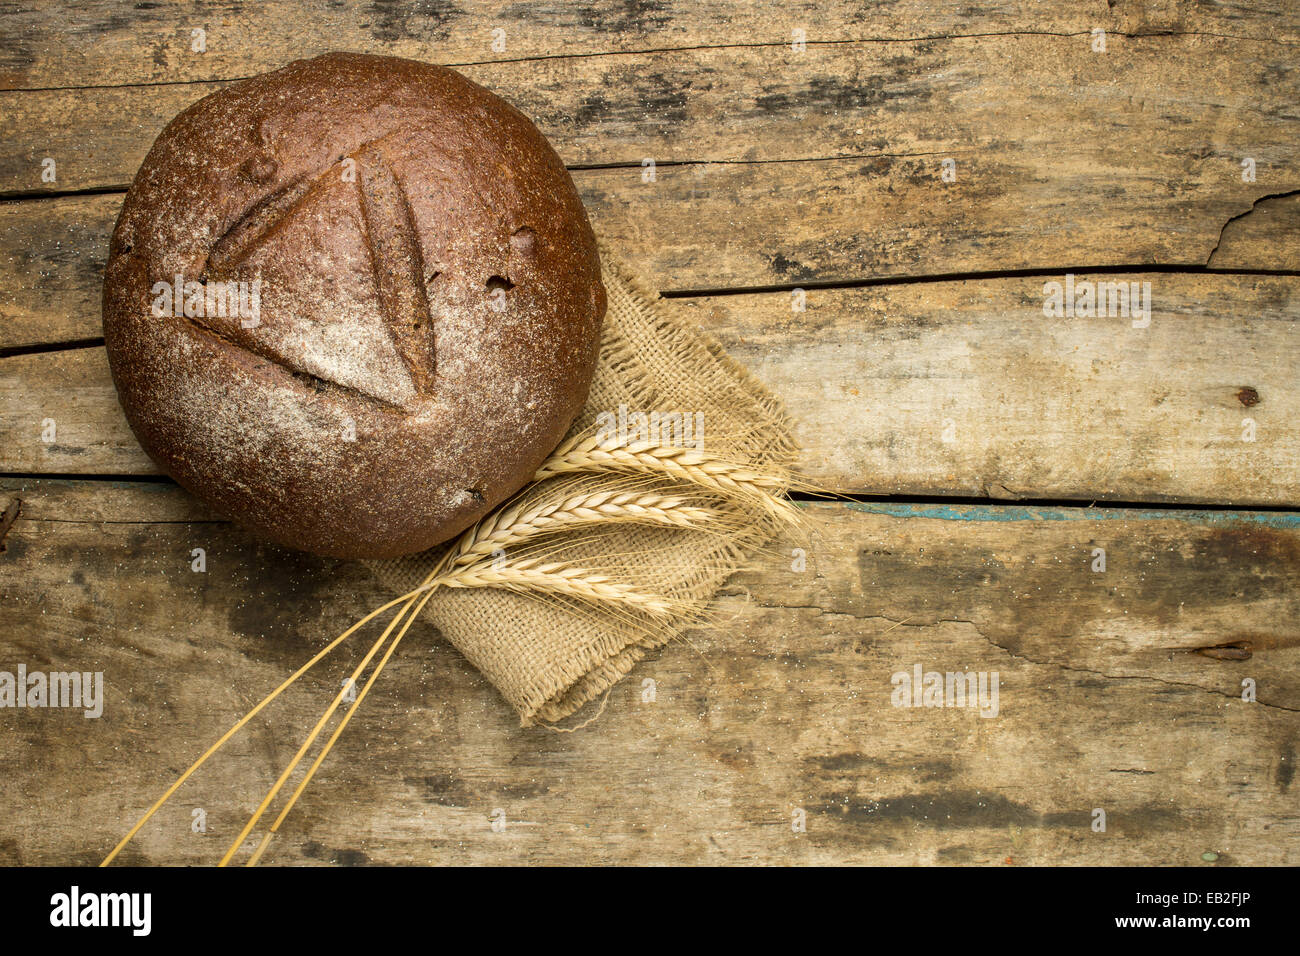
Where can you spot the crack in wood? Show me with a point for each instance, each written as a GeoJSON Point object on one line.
{"type": "Point", "coordinates": [972, 275]}
{"type": "Point", "coordinates": [1242, 215]}
{"type": "Point", "coordinates": [1231, 651]}
{"type": "Point", "coordinates": [7, 519]}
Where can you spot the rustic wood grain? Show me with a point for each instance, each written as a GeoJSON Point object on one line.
{"type": "Point", "coordinates": [949, 388]}
{"type": "Point", "coordinates": [681, 234]}
{"type": "Point", "coordinates": [102, 42]}
{"type": "Point", "coordinates": [967, 388]}
{"type": "Point", "coordinates": [827, 171]}
{"type": "Point", "coordinates": [1104, 701]}
{"type": "Point", "coordinates": [1055, 162]}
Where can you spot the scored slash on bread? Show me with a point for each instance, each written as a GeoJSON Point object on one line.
{"type": "Point", "coordinates": [388, 234]}
{"type": "Point", "coordinates": [398, 265]}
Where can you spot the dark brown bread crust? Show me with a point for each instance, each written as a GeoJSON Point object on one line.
{"type": "Point", "coordinates": [429, 284]}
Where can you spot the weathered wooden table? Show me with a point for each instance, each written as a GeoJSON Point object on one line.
{"type": "Point", "coordinates": [1103, 509]}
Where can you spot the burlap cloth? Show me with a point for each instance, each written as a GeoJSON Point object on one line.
{"type": "Point", "coordinates": [550, 655]}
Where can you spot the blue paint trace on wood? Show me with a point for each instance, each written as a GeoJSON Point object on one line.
{"type": "Point", "coordinates": [1287, 520]}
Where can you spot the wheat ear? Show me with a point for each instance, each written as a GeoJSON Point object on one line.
{"type": "Point", "coordinates": [683, 464]}
{"type": "Point", "coordinates": [522, 521]}
{"type": "Point", "coordinates": [532, 574]}
{"type": "Point", "coordinates": [586, 454]}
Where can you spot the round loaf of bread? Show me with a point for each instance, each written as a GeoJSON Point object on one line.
{"type": "Point", "coordinates": [352, 304]}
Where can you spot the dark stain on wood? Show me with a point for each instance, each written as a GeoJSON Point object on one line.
{"type": "Point", "coordinates": [10, 854]}
{"type": "Point", "coordinates": [317, 851]}
{"type": "Point", "coordinates": [656, 95]}
{"type": "Point", "coordinates": [1168, 575]}
{"type": "Point", "coordinates": [442, 789]}
{"type": "Point", "coordinates": [634, 16]}
{"type": "Point", "coordinates": [925, 771]}
{"type": "Point", "coordinates": [284, 591]}
{"type": "Point", "coordinates": [789, 268]}
{"type": "Point", "coordinates": [426, 20]}
{"type": "Point", "coordinates": [350, 858]}
{"type": "Point", "coordinates": [856, 92]}
{"type": "Point", "coordinates": [1286, 766]}
{"type": "Point", "coordinates": [966, 809]}
{"type": "Point", "coordinates": [954, 809]}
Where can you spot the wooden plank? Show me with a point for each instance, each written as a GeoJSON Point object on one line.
{"type": "Point", "coordinates": [712, 227]}
{"type": "Point", "coordinates": [1120, 689]}
{"type": "Point", "coordinates": [967, 388]}
{"type": "Point", "coordinates": [879, 119]}
{"type": "Point", "coordinates": [802, 223]}
{"type": "Point", "coordinates": [102, 42]}
{"type": "Point", "coordinates": [947, 388]}
{"type": "Point", "coordinates": [52, 256]}
{"type": "Point", "coordinates": [1108, 699]}
{"type": "Point", "coordinates": [70, 423]}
